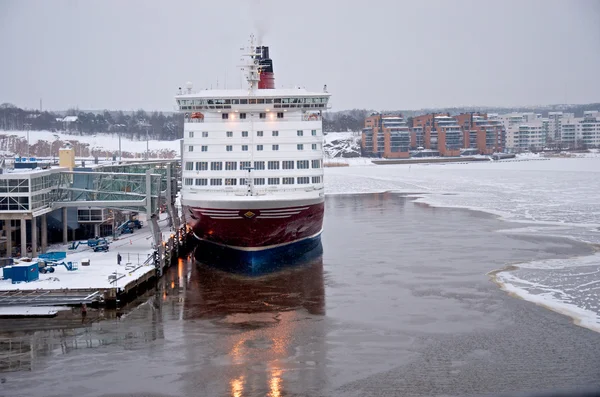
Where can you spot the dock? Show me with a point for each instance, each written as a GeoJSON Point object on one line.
{"type": "Point", "coordinates": [120, 230]}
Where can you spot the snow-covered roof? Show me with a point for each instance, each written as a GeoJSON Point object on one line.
{"type": "Point", "coordinates": [70, 119]}
{"type": "Point", "coordinates": [277, 92]}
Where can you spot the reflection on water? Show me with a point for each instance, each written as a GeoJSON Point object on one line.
{"type": "Point", "coordinates": [251, 328]}
{"type": "Point", "coordinates": [213, 293]}
{"type": "Point", "coordinates": [254, 329]}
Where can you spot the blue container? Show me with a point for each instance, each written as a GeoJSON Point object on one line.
{"type": "Point", "coordinates": [26, 273]}
{"type": "Point", "coordinates": [7, 272]}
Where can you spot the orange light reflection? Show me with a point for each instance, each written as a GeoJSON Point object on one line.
{"type": "Point", "coordinates": [237, 386]}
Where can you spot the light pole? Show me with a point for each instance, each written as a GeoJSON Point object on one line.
{"type": "Point", "coordinates": [27, 126]}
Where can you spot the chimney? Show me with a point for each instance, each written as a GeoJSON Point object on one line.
{"type": "Point", "coordinates": [267, 78]}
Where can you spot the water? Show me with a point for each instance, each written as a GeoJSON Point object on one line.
{"type": "Point", "coordinates": [554, 198]}
{"type": "Point", "coordinates": [400, 303]}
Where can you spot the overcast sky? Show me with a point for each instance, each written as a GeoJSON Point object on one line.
{"type": "Point", "coordinates": [372, 54]}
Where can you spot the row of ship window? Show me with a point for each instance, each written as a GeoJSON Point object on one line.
{"type": "Point", "coordinates": [253, 101]}
{"type": "Point", "coordinates": [301, 180]}
{"type": "Point", "coordinates": [229, 134]}
{"type": "Point", "coordinates": [229, 148]}
{"type": "Point", "coordinates": [258, 165]}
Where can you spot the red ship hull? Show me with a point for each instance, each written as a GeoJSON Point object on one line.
{"type": "Point", "coordinates": [251, 240]}
{"type": "Point", "coordinates": [256, 228]}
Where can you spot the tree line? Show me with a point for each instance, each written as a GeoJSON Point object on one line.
{"type": "Point", "coordinates": [137, 125]}
{"type": "Point", "coordinates": [169, 126]}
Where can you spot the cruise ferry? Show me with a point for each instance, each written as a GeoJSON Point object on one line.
{"type": "Point", "coordinates": [252, 169]}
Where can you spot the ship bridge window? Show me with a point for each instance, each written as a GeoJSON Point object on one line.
{"type": "Point", "coordinates": [288, 165]}
{"type": "Point", "coordinates": [259, 165]}
{"type": "Point", "coordinates": [262, 115]}
{"type": "Point", "coordinates": [279, 115]}
{"type": "Point", "coordinates": [216, 181]}
{"type": "Point", "coordinates": [259, 133]}
{"type": "Point", "coordinates": [314, 146]}
{"type": "Point", "coordinates": [229, 148]}
{"type": "Point", "coordinates": [314, 132]}
{"type": "Point", "coordinates": [269, 100]}
{"type": "Point", "coordinates": [204, 148]}
{"type": "Point", "coordinates": [300, 146]}
{"type": "Point", "coordinates": [201, 166]}
{"type": "Point", "coordinates": [273, 181]}
{"type": "Point", "coordinates": [277, 100]}
{"type": "Point", "coordinates": [245, 165]}
{"type": "Point", "coordinates": [273, 165]}
{"type": "Point", "coordinates": [216, 166]}
{"type": "Point", "coordinates": [303, 180]}
{"type": "Point", "coordinates": [231, 165]}
{"type": "Point", "coordinates": [300, 133]}
{"type": "Point", "coordinates": [229, 134]}
{"type": "Point", "coordinates": [191, 134]}
{"type": "Point", "coordinates": [201, 182]}
{"type": "Point", "coordinates": [316, 179]}
{"type": "Point", "coordinates": [225, 116]}
{"type": "Point", "coordinates": [230, 181]}
{"type": "Point", "coordinates": [259, 181]}
{"type": "Point", "coordinates": [275, 147]}
{"type": "Point", "coordinates": [259, 147]}
{"type": "Point", "coordinates": [302, 164]}
{"type": "Point", "coordinates": [188, 181]}
{"type": "Point", "coordinates": [204, 134]}
{"type": "Point", "coordinates": [191, 148]}
{"type": "Point", "coordinates": [235, 101]}
{"type": "Point", "coordinates": [243, 101]}
{"type": "Point", "coordinates": [244, 134]}
{"type": "Point", "coordinates": [244, 148]}
{"type": "Point", "coordinates": [260, 100]}
{"type": "Point", "coordinates": [252, 101]}
{"type": "Point", "coordinates": [189, 166]}
{"type": "Point", "coordinates": [242, 115]}
{"type": "Point", "coordinates": [288, 181]}
{"type": "Point", "coordinates": [275, 133]}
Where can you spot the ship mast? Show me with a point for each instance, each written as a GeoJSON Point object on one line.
{"type": "Point", "coordinates": [252, 67]}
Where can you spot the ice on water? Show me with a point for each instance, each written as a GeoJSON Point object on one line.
{"type": "Point", "coordinates": [556, 197]}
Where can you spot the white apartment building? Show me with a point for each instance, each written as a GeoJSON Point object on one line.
{"type": "Point", "coordinates": [590, 129]}
{"type": "Point", "coordinates": [554, 123]}
{"type": "Point", "coordinates": [512, 124]}
{"type": "Point", "coordinates": [570, 132]}
{"type": "Point", "coordinates": [531, 136]}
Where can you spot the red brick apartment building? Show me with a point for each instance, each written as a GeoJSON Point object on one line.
{"type": "Point", "coordinates": [438, 132]}
{"type": "Point", "coordinates": [481, 133]}
{"type": "Point", "coordinates": [389, 136]}
{"type": "Point", "coordinates": [386, 136]}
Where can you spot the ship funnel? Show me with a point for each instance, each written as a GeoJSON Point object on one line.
{"type": "Point", "coordinates": [267, 78]}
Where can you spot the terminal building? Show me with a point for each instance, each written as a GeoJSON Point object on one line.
{"type": "Point", "coordinates": [43, 202]}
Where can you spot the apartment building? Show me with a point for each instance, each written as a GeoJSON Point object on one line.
{"type": "Point", "coordinates": [590, 129]}
{"type": "Point", "coordinates": [531, 136]}
{"type": "Point", "coordinates": [512, 123]}
{"type": "Point", "coordinates": [482, 133]}
{"type": "Point", "coordinates": [386, 136]}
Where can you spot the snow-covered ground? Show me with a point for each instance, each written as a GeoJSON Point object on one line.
{"type": "Point", "coordinates": [100, 141]}
{"type": "Point", "coordinates": [134, 249]}
{"type": "Point", "coordinates": [560, 197]}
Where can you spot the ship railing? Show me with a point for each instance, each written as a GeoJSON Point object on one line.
{"type": "Point", "coordinates": [264, 191]}
{"type": "Point", "coordinates": [255, 119]}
